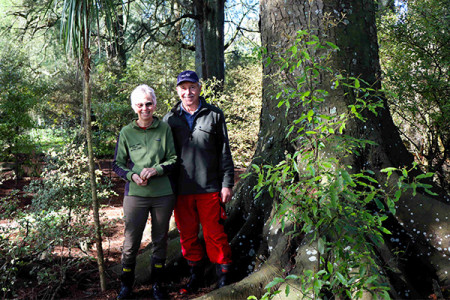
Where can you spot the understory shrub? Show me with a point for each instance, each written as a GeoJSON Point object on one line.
{"type": "Point", "coordinates": [46, 239]}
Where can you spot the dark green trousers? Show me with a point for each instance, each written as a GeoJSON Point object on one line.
{"type": "Point", "coordinates": [136, 212]}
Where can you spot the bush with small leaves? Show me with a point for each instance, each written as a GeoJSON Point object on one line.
{"type": "Point", "coordinates": [41, 239]}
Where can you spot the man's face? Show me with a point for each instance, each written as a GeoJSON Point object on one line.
{"type": "Point", "coordinates": [189, 93]}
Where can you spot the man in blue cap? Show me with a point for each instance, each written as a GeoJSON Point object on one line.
{"type": "Point", "coordinates": [205, 179]}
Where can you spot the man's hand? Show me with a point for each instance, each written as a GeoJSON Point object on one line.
{"type": "Point", "coordinates": [147, 173]}
{"type": "Point", "coordinates": [139, 181]}
{"type": "Point", "coordinates": [226, 194]}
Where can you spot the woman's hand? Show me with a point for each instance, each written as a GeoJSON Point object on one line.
{"type": "Point", "coordinates": [147, 173]}
{"type": "Point", "coordinates": [139, 181]}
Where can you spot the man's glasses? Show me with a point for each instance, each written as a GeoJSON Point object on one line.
{"type": "Point", "coordinates": [141, 105]}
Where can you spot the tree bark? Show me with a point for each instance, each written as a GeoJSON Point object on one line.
{"type": "Point", "coordinates": [88, 133]}
{"type": "Point", "coordinates": [209, 40]}
{"type": "Point", "coordinates": [117, 50]}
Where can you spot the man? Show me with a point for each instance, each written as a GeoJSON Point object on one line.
{"type": "Point", "coordinates": [204, 181]}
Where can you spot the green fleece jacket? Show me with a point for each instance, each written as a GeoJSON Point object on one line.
{"type": "Point", "coordinates": [139, 148]}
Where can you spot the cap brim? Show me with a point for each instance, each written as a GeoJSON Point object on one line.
{"type": "Point", "coordinates": [187, 80]}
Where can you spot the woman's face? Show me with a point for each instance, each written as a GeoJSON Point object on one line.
{"type": "Point", "coordinates": [145, 108]}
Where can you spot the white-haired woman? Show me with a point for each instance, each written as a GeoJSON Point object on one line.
{"type": "Point", "coordinates": [145, 155]}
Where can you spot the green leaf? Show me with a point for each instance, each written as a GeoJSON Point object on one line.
{"type": "Point", "coordinates": [334, 196]}
{"type": "Point", "coordinates": [427, 175]}
{"type": "Point", "coordinates": [347, 178]}
{"type": "Point", "coordinates": [290, 130]}
{"type": "Point", "coordinates": [370, 197]}
{"type": "Point", "coordinates": [430, 192]}
{"type": "Point", "coordinates": [306, 55]}
{"type": "Point", "coordinates": [274, 282]}
{"type": "Point", "coordinates": [327, 165]}
{"type": "Point", "coordinates": [332, 45]}
{"type": "Point", "coordinates": [294, 50]}
{"type": "Point", "coordinates": [305, 94]}
{"type": "Point", "coordinates": [310, 114]}
{"type": "Point", "coordinates": [405, 173]}
{"type": "Point", "coordinates": [341, 278]}
{"type": "Point", "coordinates": [391, 205]}
{"type": "Point", "coordinates": [330, 267]}
{"type": "Point", "coordinates": [287, 290]}
{"type": "Point", "coordinates": [362, 270]}
{"type": "Point", "coordinates": [371, 279]}
{"type": "Point", "coordinates": [317, 286]}
{"type": "Point", "coordinates": [390, 169]}
{"type": "Point", "coordinates": [321, 245]}
{"type": "Point", "coordinates": [385, 230]}
{"type": "Point", "coordinates": [414, 187]}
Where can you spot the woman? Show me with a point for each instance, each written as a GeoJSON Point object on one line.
{"type": "Point", "coordinates": [144, 155]}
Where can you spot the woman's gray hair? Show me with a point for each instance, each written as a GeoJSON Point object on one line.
{"type": "Point", "coordinates": [140, 91]}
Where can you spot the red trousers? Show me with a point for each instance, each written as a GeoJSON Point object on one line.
{"type": "Point", "coordinates": [193, 210]}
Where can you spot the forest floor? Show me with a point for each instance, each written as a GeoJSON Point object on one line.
{"type": "Point", "coordinates": [84, 282]}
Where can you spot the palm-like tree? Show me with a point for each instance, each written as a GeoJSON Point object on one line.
{"type": "Point", "coordinates": [77, 17]}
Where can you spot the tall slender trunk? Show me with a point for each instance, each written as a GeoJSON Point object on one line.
{"type": "Point", "coordinates": [88, 132]}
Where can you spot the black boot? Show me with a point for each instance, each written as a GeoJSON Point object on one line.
{"type": "Point", "coordinates": [196, 270]}
{"type": "Point", "coordinates": [126, 287]}
{"type": "Point", "coordinates": [159, 293]}
{"type": "Point", "coordinates": [223, 274]}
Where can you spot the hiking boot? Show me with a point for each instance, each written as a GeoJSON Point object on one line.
{"type": "Point", "coordinates": [125, 292]}
{"type": "Point", "coordinates": [196, 269]}
{"type": "Point", "coordinates": [159, 292]}
{"type": "Point", "coordinates": [127, 280]}
{"type": "Point", "coordinates": [222, 272]}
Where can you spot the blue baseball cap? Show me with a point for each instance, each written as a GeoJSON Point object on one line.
{"type": "Point", "coordinates": [190, 76]}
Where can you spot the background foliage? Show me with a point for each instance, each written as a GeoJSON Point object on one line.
{"type": "Point", "coordinates": [415, 58]}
